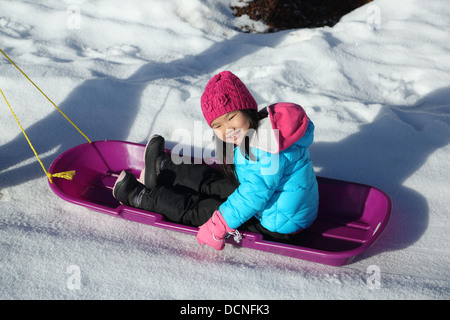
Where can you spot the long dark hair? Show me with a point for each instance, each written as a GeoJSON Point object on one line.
{"type": "Point", "coordinates": [225, 151]}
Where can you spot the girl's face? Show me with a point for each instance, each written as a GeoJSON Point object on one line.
{"type": "Point", "coordinates": [231, 127]}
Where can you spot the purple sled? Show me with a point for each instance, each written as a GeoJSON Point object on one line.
{"type": "Point", "coordinates": [351, 216]}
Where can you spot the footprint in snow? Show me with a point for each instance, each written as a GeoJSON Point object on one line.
{"type": "Point", "coordinates": [117, 53]}
{"type": "Point", "coordinates": [14, 29]}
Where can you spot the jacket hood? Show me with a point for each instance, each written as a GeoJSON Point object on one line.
{"type": "Point", "coordinates": [285, 124]}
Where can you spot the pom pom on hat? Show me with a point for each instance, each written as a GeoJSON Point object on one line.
{"type": "Point", "coordinates": [225, 93]}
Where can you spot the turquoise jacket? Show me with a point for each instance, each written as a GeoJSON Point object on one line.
{"type": "Point", "coordinates": [279, 187]}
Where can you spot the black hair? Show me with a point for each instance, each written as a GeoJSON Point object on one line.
{"type": "Point", "coordinates": [225, 151]}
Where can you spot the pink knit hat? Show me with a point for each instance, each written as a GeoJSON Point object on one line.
{"type": "Point", "coordinates": [225, 93]}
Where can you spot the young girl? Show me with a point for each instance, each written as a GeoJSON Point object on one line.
{"type": "Point", "coordinates": [268, 183]}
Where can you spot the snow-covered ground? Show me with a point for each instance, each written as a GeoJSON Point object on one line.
{"type": "Point", "coordinates": [376, 85]}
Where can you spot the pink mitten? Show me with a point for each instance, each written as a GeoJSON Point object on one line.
{"type": "Point", "coordinates": [213, 232]}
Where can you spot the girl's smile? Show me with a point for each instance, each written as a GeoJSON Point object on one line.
{"type": "Point", "coordinates": [234, 135]}
{"type": "Point", "coordinates": [231, 127]}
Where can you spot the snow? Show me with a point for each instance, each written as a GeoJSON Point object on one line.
{"type": "Point", "coordinates": [376, 85]}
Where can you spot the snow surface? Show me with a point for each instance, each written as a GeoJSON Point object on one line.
{"type": "Point", "coordinates": [376, 85]}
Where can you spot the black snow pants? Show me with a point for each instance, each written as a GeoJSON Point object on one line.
{"type": "Point", "coordinates": [188, 193]}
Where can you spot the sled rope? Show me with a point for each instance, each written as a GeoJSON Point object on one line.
{"type": "Point", "coordinates": [68, 175]}
{"type": "Point", "coordinates": [65, 175]}
{"type": "Point", "coordinates": [46, 96]}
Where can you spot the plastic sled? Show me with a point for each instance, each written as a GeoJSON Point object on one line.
{"type": "Point", "coordinates": [351, 216]}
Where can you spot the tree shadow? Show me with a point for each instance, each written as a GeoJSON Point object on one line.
{"type": "Point", "coordinates": [105, 107]}
{"type": "Point", "coordinates": [386, 153]}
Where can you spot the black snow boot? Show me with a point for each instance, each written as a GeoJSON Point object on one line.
{"type": "Point", "coordinates": [128, 190]}
{"type": "Point", "coordinates": [154, 157]}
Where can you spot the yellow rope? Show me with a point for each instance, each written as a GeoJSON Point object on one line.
{"type": "Point", "coordinates": [66, 175]}
{"type": "Point", "coordinates": [45, 96]}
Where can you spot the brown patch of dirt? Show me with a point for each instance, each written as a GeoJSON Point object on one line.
{"type": "Point", "coordinates": [291, 14]}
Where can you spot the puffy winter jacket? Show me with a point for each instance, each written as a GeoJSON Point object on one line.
{"type": "Point", "coordinates": [279, 187]}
